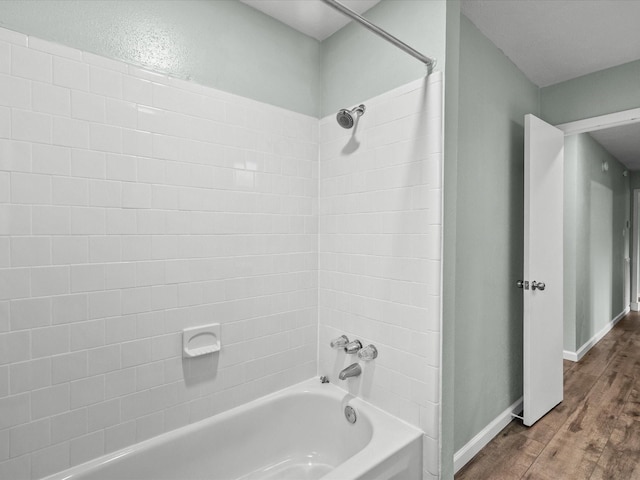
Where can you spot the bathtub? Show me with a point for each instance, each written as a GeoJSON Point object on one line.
{"type": "Point", "coordinates": [299, 433]}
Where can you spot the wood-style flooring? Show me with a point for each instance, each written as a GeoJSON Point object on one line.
{"type": "Point", "coordinates": [593, 434]}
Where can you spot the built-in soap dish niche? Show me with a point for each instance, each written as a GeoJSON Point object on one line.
{"type": "Point", "coordinates": [203, 340]}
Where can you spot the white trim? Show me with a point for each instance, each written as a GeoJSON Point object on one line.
{"type": "Point", "coordinates": [635, 250]}
{"type": "Point", "coordinates": [477, 443]}
{"type": "Point", "coordinates": [601, 122]}
{"type": "Point", "coordinates": [577, 356]}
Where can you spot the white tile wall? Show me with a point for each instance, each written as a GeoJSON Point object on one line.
{"type": "Point", "coordinates": [379, 253]}
{"type": "Point", "coordinates": [132, 206]}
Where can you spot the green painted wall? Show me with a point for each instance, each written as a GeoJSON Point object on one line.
{"type": "Point", "coordinates": [570, 232]}
{"type": "Point", "coordinates": [596, 249]}
{"type": "Point", "coordinates": [450, 193]}
{"type": "Point", "coordinates": [357, 65]}
{"type": "Point", "coordinates": [223, 43]}
{"type": "Point", "coordinates": [607, 91]}
{"type": "Point", "coordinates": [494, 97]}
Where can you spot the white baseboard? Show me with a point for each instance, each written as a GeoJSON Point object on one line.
{"type": "Point", "coordinates": [477, 443]}
{"type": "Point", "coordinates": [577, 356]}
{"type": "Point", "coordinates": [635, 307]}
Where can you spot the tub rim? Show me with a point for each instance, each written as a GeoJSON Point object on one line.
{"type": "Point", "coordinates": [389, 433]}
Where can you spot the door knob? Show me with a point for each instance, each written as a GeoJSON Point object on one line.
{"type": "Point", "coordinates": [522, 284]}
{"type": "Point", "coordinates": [537, 285]}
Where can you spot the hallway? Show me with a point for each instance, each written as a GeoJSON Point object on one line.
{"type": "Point", "coordinates": [593, 434]}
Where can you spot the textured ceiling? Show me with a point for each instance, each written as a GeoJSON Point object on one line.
{"type": "Point", "coordinates": [311, 17]}
{"type": "Point", "coordinates": [555, 40]}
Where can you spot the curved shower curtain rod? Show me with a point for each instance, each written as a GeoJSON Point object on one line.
{"type": "Point", "coordinates": [429, 62]}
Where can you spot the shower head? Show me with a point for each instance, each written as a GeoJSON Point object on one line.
{"type": "Point", "coordinates": [346, 118]}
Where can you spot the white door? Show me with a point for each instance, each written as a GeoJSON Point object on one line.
{"type": "Point", "coordinates": [543, 257]}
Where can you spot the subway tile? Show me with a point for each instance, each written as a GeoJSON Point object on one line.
{"type": "Point", "coordinates": [14, 347]}
{"type": "Point", "coordinates": [104, 415]}
{"type": "Point", "coordinates": [50, 460]}
{"type": "Point", "coordinates": [105, 138]}
{"type": "Point", "coordinates": [15, 410]}
{"type": "Point", "coordinates": [121, 167]}
{"type": "Point", "coordinates": [30, 313]}
{"type": "Point", "coordinates": [29, 437]}
{"type": "Point", "coordinates": [87, 391]}
{"type": "Point", "coordinates": [50, 281]}
{"type": "Point", "coordinates": [15, 156]}
{"type": "Point", "coordinates": [105, 249]}
{"type": "Point", "coordinates": [105, 82]}
{"type": "Point", "coordinates": [31, 126]}
{"type": "Point", "coordinates": [87, 278]}
{"type": "Point", "coordinates": [30, 251]}
{"type": "Point", "coordinates": [5, 122]}
{"type": "Point", "coordinates": [136, 90]}
{"type": "Point", "coordinates": [5, 57]}
{"type": "Point", "coordinates": [105, 193]}
{"type": "Point", "coordinates": [47, 98]}
{"type": "Point", "coordinates": [104, 304]}
{"type": "Point", "coordinates": [119, 383]}
{"type": "Point", "coordinates": [4, 385]}
{"type": "Point", "coordinates": [49, 159]}
{"type": "Point", "coordinates": [136, 195]}
{"type": "Point", "coordinates": [4, 316]}
{"type": "Point", "coordinates": [86, 335]}
{"type": "Point", "coordinates": [70, 191]}
{"type": "Point", "coordinates": [121, 114]}
{"type": "Point", "coordinates": [120, 275]}
{"type": "Point", "coordinates": [15, 219]}
{"type": "Point", "coordinates": [49, 341]}
{"type": "Point", "coordinates": [87, 447]}
{"type": "Point", "coordinates": [53, 220]}
{"type": "Point", "coordinates": [69, 250]}
{"type": "Point", "coordinates": [137, 143]}
{"type": "Point", "coordinates": [89, 164]}
{"type": "Point", "coordinates": [71, 133]}
{"type": "Point", "coordinates": [70, 73]}
{"type": "Point", "coordinates": [15, 92]}
{"type": "Point", "coordinates": [19, 467]}
{"type": "Point", "coordinates": [4, 447]}
{"type": "Point", "coordinates": [88, 221]}
{"type": "Point", "coordinates": [68, 367]}
{"type": "Point", "coordinates": [104, 359]}
{"type": "Point", "coordinates": [31, 64]}
{"type": "Point", "coordinates": [87, 106]}
{"type": "Point", "coordinates": [55, 49]}
{"type": "Point", "coordinates": [30, 188]}
{"type": "Point", "coordinates": [120, 436]}
{"type": "Point", "coordinates": [50, 401]}
{"type": "Point", "coordinates": [5, 252]}
{"type": "Point", "coordinates": [30, 375]}
{"type": "Point", "coordinates": [104, 63]}
{"type": "Point", "coordinates": [68, 425]}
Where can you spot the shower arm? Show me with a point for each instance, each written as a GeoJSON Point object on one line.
{"type": "Point", "coordinates": [429, 62]}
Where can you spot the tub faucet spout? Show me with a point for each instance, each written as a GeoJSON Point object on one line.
{"type": "Point", "coordinates": [352, 370]}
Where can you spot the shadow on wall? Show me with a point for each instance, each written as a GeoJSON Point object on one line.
{"type": "Point", "coordinates": [515, 174]}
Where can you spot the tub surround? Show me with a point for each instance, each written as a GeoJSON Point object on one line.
{"type": "Point", "coordinates": [379, 253]}
{"type": "Point", "coordinates": [132, 206]}
{"type": "Point", "coordinates": [135, 205]}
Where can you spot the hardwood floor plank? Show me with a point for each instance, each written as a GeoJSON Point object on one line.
{"type": "Point", "coordinates": [593, 434]}
{"type": "Point", "coordinates": [621, 457]}
{"type": "Point", "coordinates": [575, 450]}
{"type": "Point", "coordinates": [507, 457]}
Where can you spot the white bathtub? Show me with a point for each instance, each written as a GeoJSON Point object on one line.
{"type": "Point", "coordinates": [299, 433]}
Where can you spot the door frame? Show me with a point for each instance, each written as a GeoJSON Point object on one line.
{"type": "Point", "coordinates": [635, 251]}
{"type": "Point", "coordinates": [617, 119]}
